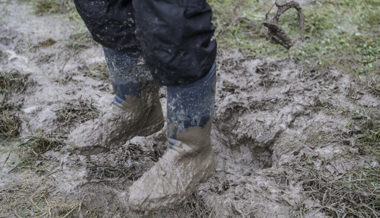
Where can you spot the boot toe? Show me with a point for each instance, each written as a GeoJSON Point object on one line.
{"type": "Point", "coordinates": [168, 183]}
{"type": "Point", "coordinates": [155, 189]}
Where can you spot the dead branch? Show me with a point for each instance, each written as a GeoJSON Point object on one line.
{"type": "Point", "coordinates": [278, 35]}
{"type": "Point", "coordinates": [275, 32]}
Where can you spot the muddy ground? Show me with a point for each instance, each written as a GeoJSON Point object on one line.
{"type": "Point", "coordinates": [282, 134]}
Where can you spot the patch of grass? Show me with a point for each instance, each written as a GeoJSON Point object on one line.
{"type": "Point", "coordinates": [372, 81]}
{"type": "Point", "coordinates": [103, 172]}
{"type": "Point", "coordinates": [193, 206]}
{"type": "Point", "coordinates": [341, 33]}
{"type": "Point", "coordinates": [10, 125]}
{"type": "Point", "coordinates": [366, 128]}
{"type": "Point", "coordinates": [354, 194]}
{"type": "Point", "coordinates": [97, 71]}
{"type": "Point", "coordinates": [33, 149]}
{"type": "Point", "coordinates": [12, 82]}
{"type": "Point", "coordinates": [75, 112]}
{"type": "Point", "coordinates": [6, 106]}
{"type": "Point", "coordinates": [80, 40]}
{"type": "Point", "coordinates": [42, 7]}
{"type": "Point", "coordinates": [196, 206]}
{"type": "Point", "coordinates": [239, 26]}
{"type": "Point", "coordinates": [32, 198]}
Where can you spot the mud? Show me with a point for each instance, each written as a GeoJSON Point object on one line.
{"type": "Point", "coordinates": [177, 172]}
{"type": "Point", "coordinates": [271, 118]}
{"type": "Point", "coordinates": [134, 117]}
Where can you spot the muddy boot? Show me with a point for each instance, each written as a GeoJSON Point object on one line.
{"type": "Point", "coordinates": [136, 110]}
{"type": "Point", "coordinates": [189, 159]}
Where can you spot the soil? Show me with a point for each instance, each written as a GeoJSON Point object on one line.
{"type": "Point", "coordinates": [271, 117]}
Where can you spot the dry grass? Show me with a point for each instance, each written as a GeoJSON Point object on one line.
{"type": "Point", "coordinates": [373, 82]}
{"type": "Point", "coordinates": [80, 40]}
{"type": "Point", "coordinates": [73, 113]}
{"type": "Point", "coordinates": [10, 125]}
{"type": "Point", "coordinates": [365, 128]}
{"type": "Point", "coordinates": [193, 207]}
{"type": "Point", "coordinates": [31, 198]}
{"type": "Point", "coordinates": [98, 71]}
{"type": "Point", "coordinates": [197, 208]}
{"type": "Point", "coordinates": [33, 149]}
{"type": "Point", "coordinates": [354, 194]}
{"type": "Point", "coordinates": [341, 33]}
{"type": "Point", "coordinates": [42, 7]}
{"type": "Point", "coordinates": [11, 83]}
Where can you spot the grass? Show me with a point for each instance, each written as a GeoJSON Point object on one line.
{"type": "Point", "coordinates": [10, 83]}
{"type": "Point", "coordinates": [341, 33]}
{"type": "Point", "coordinates": [366, 127]}
{"type": "Point", "coordinates": [354, 194]}
{"type": "Point", "coordinates": [75, 112]}
{"type": "Point", "coordinates": [372, 81]}
{"type": "Point", "coordinates": [33, 149]}
{"type": "Point", "coordinates": [6, 106]}
{"type": "Point", "coordinates": [14, 83]}
{"type": "Point", "coordinates": [196, 206]}
{"type": "Point", "coordinates": [193, 206]}
{"type": "Point", "coordinates": [10, 125]}
{"type": "Point", "coordinates": [42, 7]}
{"type": "Point", "coordinates": [80, 40]}
{"type": "Point", "coordinates": [31, 198]}
{"type": "Point", "coordinates": [98, 71]}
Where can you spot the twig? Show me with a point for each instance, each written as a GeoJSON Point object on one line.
{"type": "Point", "coordinates": [6, 159]}
{"type": "Point", "coordinates": [68, 213]}
{"type": "Point", "coordinates": [275, 32]}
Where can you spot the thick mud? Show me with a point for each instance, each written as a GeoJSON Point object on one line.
{"type": "Point", "coordinates": [271, 118]}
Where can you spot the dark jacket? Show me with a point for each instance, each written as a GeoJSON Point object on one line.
{"type": "Point", "coordinates": [111, 22]}
{"type": "Point", "coordinates": [174, 35]}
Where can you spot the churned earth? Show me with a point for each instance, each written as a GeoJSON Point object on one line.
{"type": "Point", "coordinates": [289, 141]}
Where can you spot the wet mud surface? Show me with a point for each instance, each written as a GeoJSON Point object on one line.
{"type": "Point", "coordinates": [272, 118]}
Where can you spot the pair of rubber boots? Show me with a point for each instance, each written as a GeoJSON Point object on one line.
{"type": "Point", "coordinates": [137, 112]}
